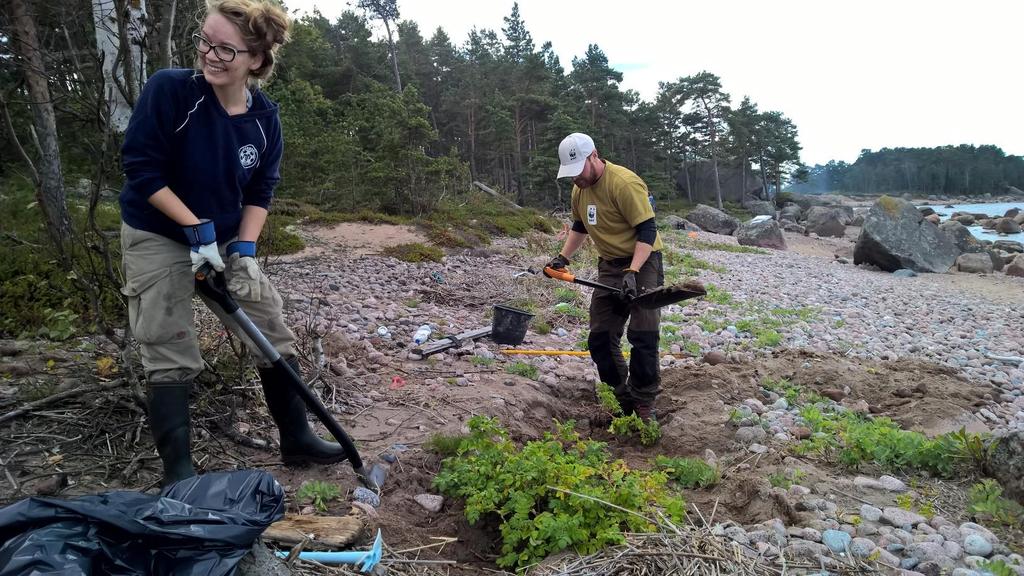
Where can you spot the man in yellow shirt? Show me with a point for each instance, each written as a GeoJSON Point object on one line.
{"type": "Point", "coordinates": [610, 204]}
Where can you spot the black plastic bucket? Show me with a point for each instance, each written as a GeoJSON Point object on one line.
{"type": "Point", "coordinates": [509, 325]}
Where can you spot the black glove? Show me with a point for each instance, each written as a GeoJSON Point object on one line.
{"type": "Point", "coordinates": [558, 262]}
{"type": "Point", "coordinates": [629, 290]}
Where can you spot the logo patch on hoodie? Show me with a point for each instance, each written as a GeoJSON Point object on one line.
{"type": "Point", "coordinates": [248, 156]}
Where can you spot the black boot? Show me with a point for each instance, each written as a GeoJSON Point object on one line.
{"type": "Point", "coordinates": [169, 422]}
{"type": "Point", "coordinates": [299, 445]}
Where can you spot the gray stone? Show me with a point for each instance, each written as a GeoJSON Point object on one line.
{"type": "Point", "coordinates": [760, 207]}
{"type": "Point", "coordinates": [361, 494]}
{"type": "Point", "coordinates": [738, 535]}
{"type": "Point", "coordinates": [901, 518]}
{"type": "Point", "coordinates": [976, 545]}
{"type": "Point", "coordinates": [975, 263]}
{"type": "Point", "coordinates": [892, 484]}
{"type": "Point", "coordinates": [430, 502]}
{"type": "Point", "coordinates": [895, 236]}
{"type": "Point", "coordinates": [904, 273]}
{"type": "Point", "coordinates": [861, 547]}
{"type": "Point", "coordinates": [804, 550]}
{"type": "Point", "coordinates": [750, 434]}
{"type": "Point", "coordinates": [870, 513]}
{"type": "Point", "coordinates": [1016, 267]}
{"type": "Point", "coordinates": [1007, 462]}
{"type": "Point", "coordinates": [676, 223]}
{"type": "Point", "coordinates": [836, 540]}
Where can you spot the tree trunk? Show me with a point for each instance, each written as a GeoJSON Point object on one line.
{"type": "Point", "coordinates": [165, 32]}
{"type": "Point", "coordinates": [50, 184]}
{"type": "Point", "coordinates": [119, 27]}
{"type": "Point", "coordinates": [394, 57]}
{"type": "Point", "coordinates": [743, 178]}
{"type": "Point", "coordinates": [764, 175]}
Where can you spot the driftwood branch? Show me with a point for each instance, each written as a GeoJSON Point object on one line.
{"type": "Point", "coordinates": [30, 406]}
{"type": "Point", "coordinates": [483, 187]}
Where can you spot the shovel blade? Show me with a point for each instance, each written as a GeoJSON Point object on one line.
{"type": "Point", "coordinates": [669, 295]}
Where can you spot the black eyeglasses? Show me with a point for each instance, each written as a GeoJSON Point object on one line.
{"type": "Point", "coordinates": [225, 53]}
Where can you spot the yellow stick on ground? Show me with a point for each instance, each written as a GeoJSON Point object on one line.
{"type": "Point", "coordinates": [546, 352]}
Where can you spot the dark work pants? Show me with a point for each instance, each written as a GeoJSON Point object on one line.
{"type": "Point", "coordinates": [637, 382]}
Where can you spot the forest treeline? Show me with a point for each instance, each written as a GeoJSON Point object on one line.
{"type": "Point", "coordinates": [395, 123]}
{"type": "Point", "coordinates": [963, 170]}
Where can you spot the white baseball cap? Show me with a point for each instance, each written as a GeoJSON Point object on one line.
{"type": "Point", "coordinates": [573, 153]}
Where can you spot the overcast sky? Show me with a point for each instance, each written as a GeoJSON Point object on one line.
{"type": "Point", "coordinates": [850, 74]}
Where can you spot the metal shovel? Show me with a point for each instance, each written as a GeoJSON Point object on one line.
{"type": "Point", "coordinates": [651, 300]}
{"type": "Point", "coordinates": [212, 284]}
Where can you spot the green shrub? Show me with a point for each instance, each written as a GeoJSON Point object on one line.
{"type": "Point", "coordinates": [531, 491]}
{"type": "Point", "coordinates": [688, 472]}
{"type": "Point", "coordinates": [414, 252]}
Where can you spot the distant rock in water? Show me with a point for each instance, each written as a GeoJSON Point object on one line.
{"type": "Point", "coordinates": [895, 235]}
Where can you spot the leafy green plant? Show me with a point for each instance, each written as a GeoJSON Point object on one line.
{"type": "Point", "coordinates": [688, 472]}
{"type": "Point", "coordinates": [319, 493]}
{"type": "Point", "coordinates": [534, 491]}
{"type": "Point", "coordinates": [996, 568]}
{"type": "Point", "coordinates": [523, 369]}
{"type": "Point", "coordinates": [783, 387]}
{"type": "Point", "coordinates": [786, 478]}
{"type": "Point", "coordinates": [540, 325]}
{"type": "Point", "coordinates": [628, 425]}
{"type": "Point", "coordinates": [986, 499]}
{"type": "Point", "coordinates": [58, 324]}
{"type": "Point", "coordinates": [606, 397]}
{"type": "Point", "coordinates": [767, 338]}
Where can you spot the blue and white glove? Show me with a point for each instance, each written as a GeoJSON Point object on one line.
{"type": "Point", "coordinates": [244, 272]}
{"type": "Point", "coordinates": [203, 238]}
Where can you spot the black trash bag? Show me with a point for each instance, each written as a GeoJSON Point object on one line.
{"type": "Point", "coordinates": [200, 526]}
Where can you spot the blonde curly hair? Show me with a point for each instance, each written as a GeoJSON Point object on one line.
{"type": "Point", "coordinates": [264, 26]}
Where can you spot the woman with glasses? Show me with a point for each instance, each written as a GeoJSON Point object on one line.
{"type": "Point", "coordinates": [201, 157]}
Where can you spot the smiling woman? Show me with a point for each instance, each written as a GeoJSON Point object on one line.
{"type": "Point", "coordinates": [201, 157]}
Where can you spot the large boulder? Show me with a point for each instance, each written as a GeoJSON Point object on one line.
{"type": "Point", "coordinates": [961, 236]}
{"type": "Point", "coordinates": [975, 263]}
{"type": "Point", "coordinates": [1007, 226]}
{"type": "Point", "coordinates": [824, 221]}
{"type": "Point", "coordinates": [713, 220]}
{"type": "Point", "coordinates": [792, 212]}
{"type": "Point", "coordinates": [1008, 246]}
{"type": "Point", "coordinates": [764, 233]}
{"type": "Point", "coordinates": [1007, 464]}
{"type": "Point", "coordinates": [896, 236]}
{"type": "Point", "coordinates": [1016, 267]}
{"type": "Point", "coordinates": [760, 208]}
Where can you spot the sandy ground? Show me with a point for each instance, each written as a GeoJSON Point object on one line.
{"type": "Point", "coordinates": [356, 238]}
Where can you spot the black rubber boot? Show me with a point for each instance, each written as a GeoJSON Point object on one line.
{"type": "Point", "coordinates": [169, 422]}
{"type": "Point", "coordinates": [299, 445]}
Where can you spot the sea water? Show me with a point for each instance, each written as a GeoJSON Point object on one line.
{"type": "Point", "coordinates": [995, 209]}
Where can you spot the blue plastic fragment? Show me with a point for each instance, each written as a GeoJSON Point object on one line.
{"type": "Point", "coordinates": [368, 558]}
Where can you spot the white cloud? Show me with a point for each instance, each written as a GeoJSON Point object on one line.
{"type": "Point", "coordinates": [850, 74]}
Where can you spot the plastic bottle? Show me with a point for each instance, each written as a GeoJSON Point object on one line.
{"type": "Point", "coordinates": [422, 334]}
{"type": "Point", "coordinates": [382, 331]}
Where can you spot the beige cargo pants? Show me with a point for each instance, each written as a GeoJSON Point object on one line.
{"type": "Point", "coordinates": [160, 287]}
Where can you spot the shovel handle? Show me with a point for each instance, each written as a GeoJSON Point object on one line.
{"type": "Point", "coordinates": [559, 274]}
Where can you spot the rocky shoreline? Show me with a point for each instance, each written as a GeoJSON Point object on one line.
{"type": "Point", "coordinates": [852, 310]}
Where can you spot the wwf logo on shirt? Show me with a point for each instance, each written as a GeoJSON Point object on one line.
{"type": "Point", "coordinates": [248, 156]}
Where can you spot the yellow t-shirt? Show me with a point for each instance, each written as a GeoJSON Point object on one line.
{"type": "Point", "coordinates": [611, 209]}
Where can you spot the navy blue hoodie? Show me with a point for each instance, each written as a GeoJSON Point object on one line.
{"type": "Point", "coordinates": [181, 137]}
